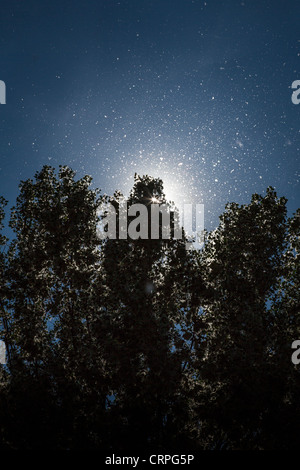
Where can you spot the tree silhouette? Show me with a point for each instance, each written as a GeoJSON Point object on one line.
{"type": "Point", "coordinates": [139, 343]}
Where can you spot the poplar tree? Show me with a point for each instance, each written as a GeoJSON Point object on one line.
{"type": "Point", "coordinates": [241, 265]}
{"type": "Point", "coordinates": [56, 365]}
{"type": "Point", "coordinates": [148, 332]}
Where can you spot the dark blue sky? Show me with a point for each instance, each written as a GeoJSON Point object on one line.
{"type": "Point", "coordinates": [198, 93]}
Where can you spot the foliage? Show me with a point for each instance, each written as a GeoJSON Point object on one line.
{"type": "Point", "coordinates": [118, 344]}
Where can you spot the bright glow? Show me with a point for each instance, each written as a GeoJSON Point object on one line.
{"type": "Point", "coordinates": [174, 189]}
{"type": "Point", "coordinates": [177, 183]}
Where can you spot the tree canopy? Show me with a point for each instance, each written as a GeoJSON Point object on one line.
{"type": "Point", "coordinates": [141, 343]}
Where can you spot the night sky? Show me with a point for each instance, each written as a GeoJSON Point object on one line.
{"type": "Point", "coordinates": [197, 93]}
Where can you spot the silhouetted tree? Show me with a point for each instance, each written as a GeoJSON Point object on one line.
{"type": "Point", "coordinates": [243, 264]}
{"type": "Point", "coordinates": [139, 343]}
